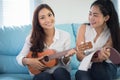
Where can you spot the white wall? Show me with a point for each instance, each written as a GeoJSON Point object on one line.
{"type": "Point", "coordinates": [1, 14]}
{"type": "Point", "coordinates": [70, 11]}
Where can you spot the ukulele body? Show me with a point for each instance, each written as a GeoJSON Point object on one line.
{"type": "Point", "coordinates": [49, 63]}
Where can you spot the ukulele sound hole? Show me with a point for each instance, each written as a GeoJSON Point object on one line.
{"type": "Point", "coordinates": [46, 58]}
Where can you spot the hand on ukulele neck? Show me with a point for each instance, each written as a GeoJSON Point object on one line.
{"type": "Point", "coordinates": [70, 53]}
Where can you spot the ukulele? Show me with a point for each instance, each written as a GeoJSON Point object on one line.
{"type": "Point", "coordinates": [114, 55]}
{"type": "Point", "coordinates": [50, 57]}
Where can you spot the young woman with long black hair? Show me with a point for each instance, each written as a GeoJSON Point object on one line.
{"type": "Point", "coordinates": [103, 31]}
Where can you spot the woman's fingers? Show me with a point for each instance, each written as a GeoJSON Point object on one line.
{"type": "Point", "coordinates": [41, 66]}
{"type": "Point", "coordinates": [70, 53]}
{"type": "Point", "coordinates": [107, 51]}
{"type": "Point", "coordinates": [104, 54]}
{"type": "Point", "coordinates": [37, 63]}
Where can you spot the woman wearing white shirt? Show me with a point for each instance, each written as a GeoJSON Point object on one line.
{"type": "Point", "coordinates": [103, 32]}
{"type": "Point", "coordinates": [45, 36]}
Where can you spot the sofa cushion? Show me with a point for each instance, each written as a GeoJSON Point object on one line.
{"type": "Point", "coordinates": [12, 39]}
{"type": "Point", "coordinates": [8, 64]}
{"type": "Point", "coordinates": [15, 77]}
{"type": "Point", "coordinates": [74, 63]}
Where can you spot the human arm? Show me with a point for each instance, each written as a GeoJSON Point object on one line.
{"type": "Point", "coordinates": [80, 39]}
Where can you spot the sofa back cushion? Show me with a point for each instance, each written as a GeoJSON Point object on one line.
{"type": "Point", "coordinates": [11, 42]}
{"type": "Point", "coordinates": [12, 39]}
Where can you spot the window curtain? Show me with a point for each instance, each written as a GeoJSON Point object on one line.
{"type": "Point", "coordinates": [17, 12]}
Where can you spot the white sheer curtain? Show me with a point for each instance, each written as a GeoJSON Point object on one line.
{"type": "Point", "coordinates": [17, 12]}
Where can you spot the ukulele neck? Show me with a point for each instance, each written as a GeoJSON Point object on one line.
{"type": "Point", "coordinates": [59, 54]}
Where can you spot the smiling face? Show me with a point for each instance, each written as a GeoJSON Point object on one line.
{"type": "Point", "coordinates": [96, 18]}
{"type": "Point", "coordinates": [46, 18]}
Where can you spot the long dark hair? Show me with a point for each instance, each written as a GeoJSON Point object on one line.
{"type": "Point", "coordinates": [38, 35]}
{"type": "Point", "coordinates": [107, 8]}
